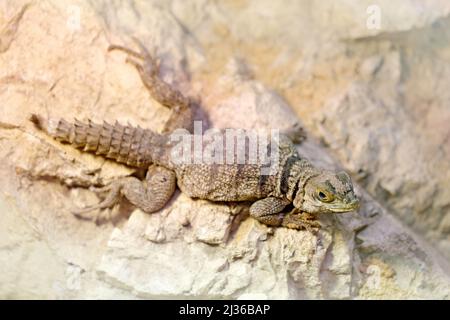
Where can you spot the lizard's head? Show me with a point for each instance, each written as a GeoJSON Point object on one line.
{"type": "Point", "coordinates": [328, 192]}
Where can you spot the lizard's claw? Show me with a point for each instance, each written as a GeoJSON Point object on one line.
{"type": "Point", "coordinates": [83, 213]}
{"type": "Point", "coordinates": [301, 221]}
{"type": "Point", "coordinates": [100, 190]}
{"type": "Point", "coordinates": [87, 214]}
{"type": "Point", "coordinates": [112, 197]}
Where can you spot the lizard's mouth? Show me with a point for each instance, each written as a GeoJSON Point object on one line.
{"type": "Point", "coordinates": [345, 207]}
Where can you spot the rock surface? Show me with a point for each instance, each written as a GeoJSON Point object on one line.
{"type": "Point", "coordinates": [372, 100]}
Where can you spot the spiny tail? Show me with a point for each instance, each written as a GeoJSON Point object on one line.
{"type": "Point", "coordinates": [133, 146]}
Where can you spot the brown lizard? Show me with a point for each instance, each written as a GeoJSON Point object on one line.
{"type": "Point", "coordinates": [293, 179]}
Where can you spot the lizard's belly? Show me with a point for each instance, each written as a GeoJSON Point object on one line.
{"type": "Point", "coordinates": [224, 182]}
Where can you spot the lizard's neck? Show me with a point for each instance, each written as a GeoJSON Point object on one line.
{"type": "Point", "coordinates": [294, 176]}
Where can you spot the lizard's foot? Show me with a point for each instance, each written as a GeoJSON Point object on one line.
{"type": "Point", "coordinates": [109, 201]}
{"type": "Point", "coordinates": [161, 91]}
{"type": "Point", "coordinates": [161, 184]}
{"type": "Point", "coordinates": [297, 134]}
{"type": "Point", "coordinates": [145, 63]}
{"type": "Point", "coordinates": [294, 220]}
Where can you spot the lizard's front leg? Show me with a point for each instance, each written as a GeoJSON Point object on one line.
{"type": "Point", "coordinates": [302, 220]}
{"type": "Point", "coordinates": [161, 183]}
{"type": "Point", "coordinates": [161, 91]}
{"type": "Point", "coordinates": [268, 210]}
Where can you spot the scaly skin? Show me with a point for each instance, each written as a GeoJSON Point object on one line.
{"type": "Point", "coordinates": [293, 181]}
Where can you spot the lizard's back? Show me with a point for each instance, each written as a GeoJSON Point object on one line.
{"type": "Point", "coordinates": [222, 182]}
{"type": "Point", "coordinates": [236, 181]}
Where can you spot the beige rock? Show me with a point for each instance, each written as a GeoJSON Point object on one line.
{"type": "Point", "coordinates": [55, 62]}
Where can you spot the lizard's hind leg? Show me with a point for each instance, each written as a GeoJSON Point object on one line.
{"type": "Point", "coordinates": [161, 183]}
{"type": "Point", "coordinates": [161, 91]}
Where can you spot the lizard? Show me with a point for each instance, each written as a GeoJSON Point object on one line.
{"type": "Point", "coordinates": [294, 180]}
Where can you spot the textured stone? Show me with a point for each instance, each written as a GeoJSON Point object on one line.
{"type": "Point", "coordinates": [374, 104]}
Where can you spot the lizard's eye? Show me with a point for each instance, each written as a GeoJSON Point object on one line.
{"type": "Point", "coordinates": [324, 195]}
